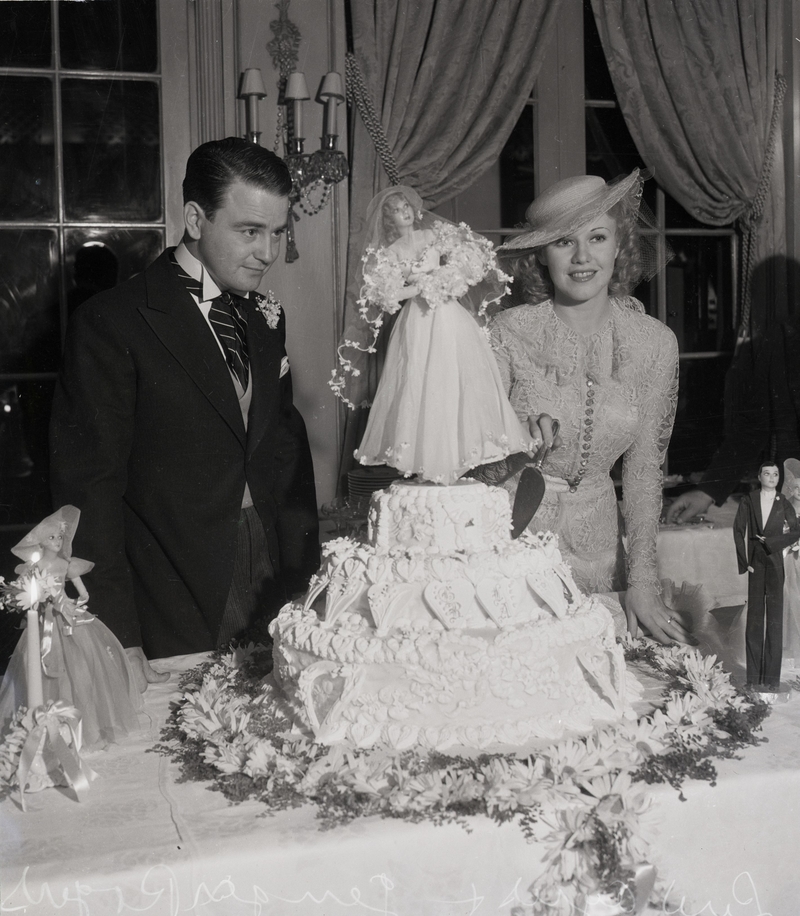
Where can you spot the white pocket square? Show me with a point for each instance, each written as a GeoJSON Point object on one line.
{"type": "Point", "coordinates": [284, 366]}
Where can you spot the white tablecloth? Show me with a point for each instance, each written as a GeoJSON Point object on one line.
{"type": "Point", "coordinates": [704, 555]}
{"type": "Point", "coordinates": [142, 843]}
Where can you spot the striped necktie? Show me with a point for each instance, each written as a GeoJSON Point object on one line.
{"type": "Point", "coordinates": [227, 317]}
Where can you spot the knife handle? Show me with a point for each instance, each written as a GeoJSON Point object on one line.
{"type": "Point", "coordinates": [544, 450]}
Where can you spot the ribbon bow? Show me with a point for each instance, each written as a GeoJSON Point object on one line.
{"type": "Point", "coordinates": [46, 741]}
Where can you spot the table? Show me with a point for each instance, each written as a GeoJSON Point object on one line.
{"type": "Point", "coordinates": [704, 555]}
{"type": "Point", "coordinates": [142, 843]}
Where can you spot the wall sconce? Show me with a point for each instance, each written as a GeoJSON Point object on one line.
{"type": "Point", "coordinates": [252, 91]}
{"type": "Point", "coordinates": [326, 166]}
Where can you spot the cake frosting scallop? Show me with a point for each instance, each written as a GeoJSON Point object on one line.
{"type": "Point", "coordinates": [440, 631]}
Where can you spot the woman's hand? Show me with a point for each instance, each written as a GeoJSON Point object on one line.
{"type": "Point", "coordinates": [541, 430]}
{"type": "Point", "coordinates": [645, 609]}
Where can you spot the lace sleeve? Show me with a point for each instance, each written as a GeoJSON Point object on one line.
{"type": "Point", "coordinates": [497, 340]}
{"type": "Point", "coordinates": [641, 470]}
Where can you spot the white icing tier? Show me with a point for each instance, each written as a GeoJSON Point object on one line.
{"type": "Point", "coordinates": [487, 643]}
{"type": "Point", "coordinates": [442, 688]}
{"type": "Point", "coordinates": [419, 518]}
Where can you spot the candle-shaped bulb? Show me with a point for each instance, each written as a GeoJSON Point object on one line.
{"type": "Point", "coordinates": [296, 92]}
{"type": "Point", "coordinates": [331, 92]}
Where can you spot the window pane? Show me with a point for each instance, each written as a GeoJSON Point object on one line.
{"type": "Point", "coordinates": [98, 259]}
{"type": "Point", "coordinates": [112, 155]}
{"type": "Point", "coordinates": [30, 339]}
{"type": "Point", "coordinates": [700, 307]}
{"type": "Point", "coordinates": [516, 171]}
{"type": "Point", "coordinates": [699, 423]}
{"type": "Point", "coordinates": [116, 35]}
{"type": "Point", "coordinates": [24, 487]}
{"type": "Point", "coordinates": [597, 79]}
{"type": "Point", "coordinates": [25, 34]}
{"type": "Point", "coordinates": [27, 155]}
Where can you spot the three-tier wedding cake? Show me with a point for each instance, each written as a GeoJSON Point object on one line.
{"type": "Point", "coordinates": [440, 631]}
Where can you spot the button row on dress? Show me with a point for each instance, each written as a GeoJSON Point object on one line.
{"type": "Point", "coordinates": [588, 423]}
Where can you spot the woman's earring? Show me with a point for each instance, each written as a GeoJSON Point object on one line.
{"type": "Point", "coordinates": [419, 214]}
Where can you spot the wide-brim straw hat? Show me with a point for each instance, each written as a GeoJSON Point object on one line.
{"type": "Point", "coordinates": [570, 204]}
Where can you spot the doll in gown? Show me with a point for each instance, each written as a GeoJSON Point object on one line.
{"type": "Point", "coordinates": [791, 585]}
{"type": "Point", "coordinates": [440, 408]}
{"type": "Point", "coordinates": [83, 663]}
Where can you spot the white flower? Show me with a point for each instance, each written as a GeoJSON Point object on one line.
{"type": "Point", "coordinates": [270, 308]}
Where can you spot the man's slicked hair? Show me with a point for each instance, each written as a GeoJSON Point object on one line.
{"type": "Point", "coordinates": [213, 167]}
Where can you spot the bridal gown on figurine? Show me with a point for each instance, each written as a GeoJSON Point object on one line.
{"type": "Point", "coordinates": [84, 666]}
{"type": "Point", "coordinates": [441, 407]}
{"type": "Point", "coordinates": [791, 609]}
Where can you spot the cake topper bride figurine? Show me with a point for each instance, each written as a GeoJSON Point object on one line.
{"type": "Point", "coordinates": [82, 662]}
{"type": "Point", "coordinates": [440, 408]}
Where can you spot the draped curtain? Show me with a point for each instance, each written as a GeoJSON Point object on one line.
{"type": "Point", "coordinates": [699, 86]}
{"type": "Point", "coordinates": [447, 81]}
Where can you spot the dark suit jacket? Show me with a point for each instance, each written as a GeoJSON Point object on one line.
{"type": "Point", "coordinates": [769, 414]}
{"type": "Point", "coordinates": [749, 550]}
{"type": "Point", "coordinates": [147, 439]}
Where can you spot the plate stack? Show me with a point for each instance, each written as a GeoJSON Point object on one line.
{"type": "Point", "coordinates": [363, 482]}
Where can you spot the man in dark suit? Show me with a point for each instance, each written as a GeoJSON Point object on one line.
{"type": "Point", "coordinates": [173, 428]}
{"type": "Point", "coordinates": [765, 524]}
{"type": "Point", "coordinates": [765, 422]}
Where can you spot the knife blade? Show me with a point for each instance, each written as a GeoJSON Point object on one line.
{"type": "Point", "coordinates": [530, 489]}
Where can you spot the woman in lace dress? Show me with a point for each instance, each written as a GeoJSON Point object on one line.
{"type": "Point", "coordinates": [585, 353]}
{"type": "Point", "coordinates": [440, 407]}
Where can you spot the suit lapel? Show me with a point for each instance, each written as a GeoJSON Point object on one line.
{"type": "Point", "coordinates": [180, 326]}
{"type": "Point", "coordinates": [265, 349]}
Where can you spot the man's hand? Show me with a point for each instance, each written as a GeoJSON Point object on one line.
{"type": "Point", "coordinates": [142, 671]}
{"type": "Point", "coordinates": [687, 505]}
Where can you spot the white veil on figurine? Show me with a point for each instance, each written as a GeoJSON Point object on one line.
{"type": "Point", "coordinates": [791, 585]}
{"type": "Point", "coordinates": [440, 408]}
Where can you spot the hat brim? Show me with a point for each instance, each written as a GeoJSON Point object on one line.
{"type": "Point", "coordinates": [574, 218]}
{"type": "Point", "coordinates": [67, 517]}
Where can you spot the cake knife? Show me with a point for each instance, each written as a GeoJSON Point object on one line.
{"type": "Point", "coordinates": [530, 489]}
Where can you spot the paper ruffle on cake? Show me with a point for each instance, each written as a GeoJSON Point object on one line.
{"type": "Point", "coordinates": [439, 631]}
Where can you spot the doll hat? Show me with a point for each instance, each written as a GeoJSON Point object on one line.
{"type": "Point", "coordinates": [570, 204]}
{"type": "Point", "coordinates": [65, 521]}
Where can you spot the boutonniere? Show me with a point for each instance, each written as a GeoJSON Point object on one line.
{"type": "Point", "coordinates": [270, 308]}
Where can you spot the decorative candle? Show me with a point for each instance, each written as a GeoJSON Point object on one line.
{"type": "Point", "coordinates": [331, 92]}
{"type": "Point", "coordinates": [296, 92]}
{"type": "Point", "coordinates": [34, 652]}
{"type": "Point", "coordinates": [252, 89]}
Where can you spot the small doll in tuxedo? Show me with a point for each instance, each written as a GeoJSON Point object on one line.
{"type": "Point", "coordinates": [765, 524]}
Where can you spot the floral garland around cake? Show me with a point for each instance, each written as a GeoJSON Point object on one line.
{"type": "Point", "coordinates": [581, 798]}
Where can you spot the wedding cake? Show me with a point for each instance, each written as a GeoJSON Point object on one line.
{"type": "Point", "coordinates": [441, 631]}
